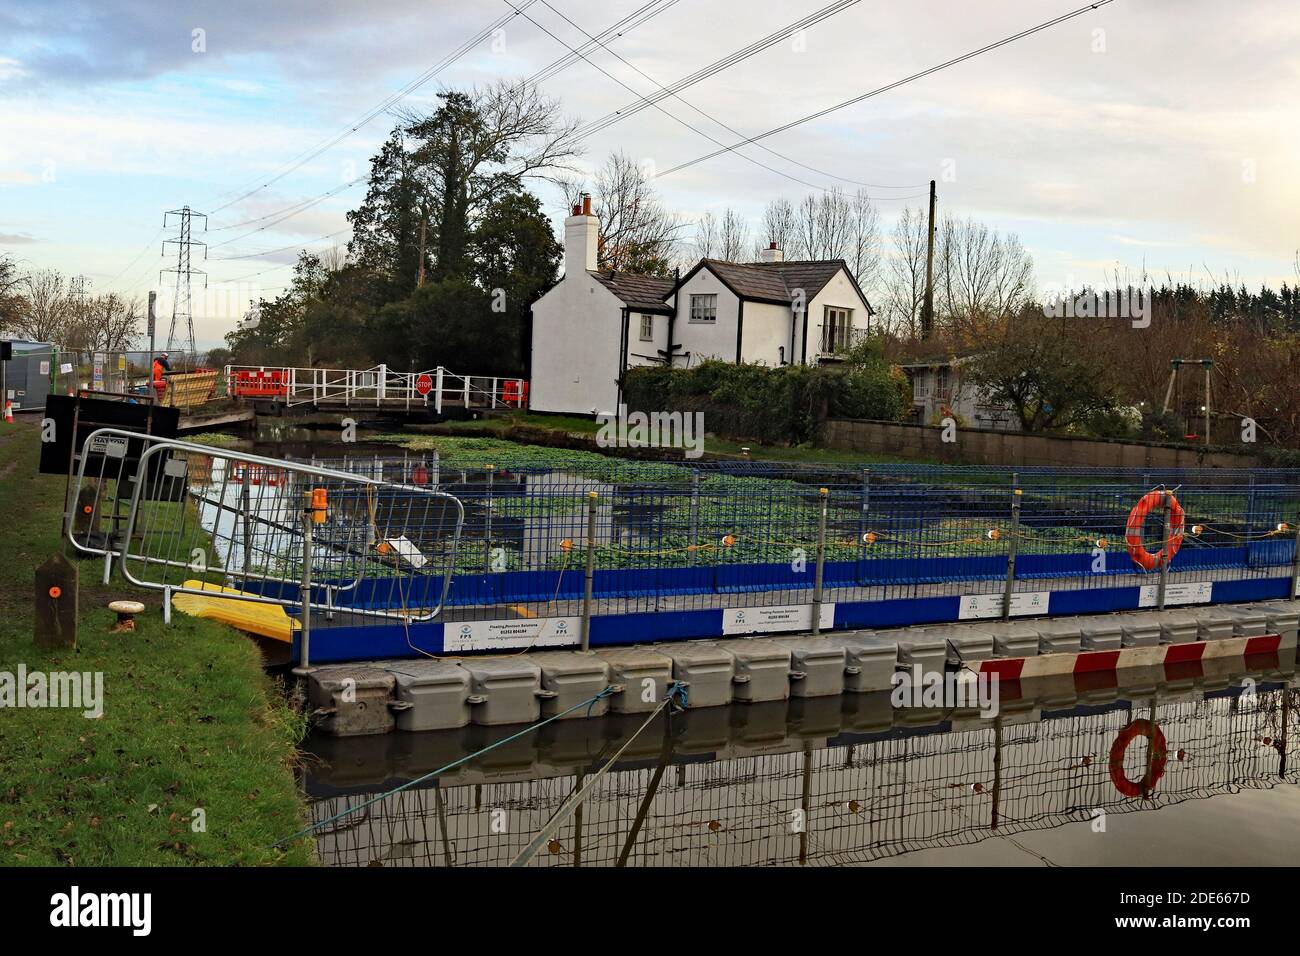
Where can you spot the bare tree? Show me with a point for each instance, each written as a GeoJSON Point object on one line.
{"type": "Point", "coordinates": [778, 225]}
{"type": "Point", "coordinates": [904, 279]}
{"type": "Point", "coordinates": [11, 300]}
{"type": "Point", "coordinates": [49, 310]}
{"type": "Point", "coordinates": [106, 323]}
{"type": "Point", "coordinates": [733, 237]}
{"type": "Point", "coordinates": [864, 241]}
{"type": "Point", "coordinates": [980, 275]}
{"type": "Point", "coordinates": [637, 232]}
{"type": "Point", "coordinates": [706, 236]}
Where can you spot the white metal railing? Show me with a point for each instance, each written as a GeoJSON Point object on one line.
{"type": "Point", "coordinates": [379, 386]}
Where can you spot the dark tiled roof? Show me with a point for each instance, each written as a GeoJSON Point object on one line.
{"type": "Point", "coordinates": [777, 281]}
{"type": "Point", "coordinates": [636, 291]}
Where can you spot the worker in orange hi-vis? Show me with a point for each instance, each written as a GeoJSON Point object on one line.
{"type": "Point", "coordinates": [160, 365]}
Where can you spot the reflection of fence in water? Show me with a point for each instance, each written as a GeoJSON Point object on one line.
{"type": "Point", "coordinates": [863, 801]}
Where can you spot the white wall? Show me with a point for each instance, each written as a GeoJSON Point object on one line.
{"type": "Point", "coordinates": [639, 351]}
{"type": "Point", "coordinates": [576, 340]}
{"type": "Point", "coordinates": [705, 340]}
{"type": "Point", "coordinates": [766, 332]}
{"type": "Point", "coordinates": [839, 293]}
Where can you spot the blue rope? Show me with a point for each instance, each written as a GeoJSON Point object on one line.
{"type": "Point", "coordinates": [433, 773]}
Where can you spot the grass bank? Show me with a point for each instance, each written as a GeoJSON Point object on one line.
{"type": "Point", "coordinates": [190, 720]}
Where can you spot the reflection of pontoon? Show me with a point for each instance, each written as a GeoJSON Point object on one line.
{"type": "Point", "coordinates": [870, 782]}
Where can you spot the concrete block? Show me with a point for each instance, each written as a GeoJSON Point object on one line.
{"type": "Point", "coordinates": [964, 642]}
{"type": "Point", "coordinates": [1101, 633]}
{"type": "Point", "coordinates": [762, 670]}
{"type": "Point", "coordinates": [504, 690]}
{"type": "Point", "coordinates": [918, 645]}
{"type": "Point", "coordinates": [707, 668]}
{"type": "Point", "coordinates": [644, 673]}
{"type": "Point", "coordinates": [350, 700]}
{"type": "Point", "coordinates": [1062, 635]}
{"type": "Point", "coordinates": [430, 695]}
{"type": "Point", "coordinates": [1177, 626]}
{"type": "Point", "coordinates": [816, 666]}
{"type": "Point", "coordinates": [1139, 629]}
{"type": "Point", "coordinates": [569, 678]}
{"type": "Point", "coordinates": [870, 660]}
{"type": "Point", "coordinates": [1011, 638]}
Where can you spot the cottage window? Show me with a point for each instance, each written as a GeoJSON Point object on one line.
{"type": "Point", "coordinates": [704, 308]}
{"type": "Point", "coordinates": [837, 329]}
{"type": "Point", "coordinates": [647, 328]}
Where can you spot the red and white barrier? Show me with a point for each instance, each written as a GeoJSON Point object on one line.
{"type": "Point", "coordinates": [1092, 662]}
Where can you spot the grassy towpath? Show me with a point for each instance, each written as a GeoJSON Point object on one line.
{"type": "Point", "coordinates": [191, 762]}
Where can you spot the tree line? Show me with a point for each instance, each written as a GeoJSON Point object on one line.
{"type": "Point", "coordinates": [45, 305]}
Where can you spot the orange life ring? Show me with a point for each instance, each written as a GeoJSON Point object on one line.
{"type": "Point", "coordinates": [1153, 500]}
{"type": "Point", "coordinates": [1123, 784]}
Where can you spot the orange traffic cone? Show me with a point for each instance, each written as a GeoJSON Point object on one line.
{"type": "Point", "coordinates": [9, 411]}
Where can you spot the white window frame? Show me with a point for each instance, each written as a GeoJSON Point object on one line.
{"type": "Point", "coordinates": [647, 327]}
{"type": "Point", "coordinates": [707, 311]}
{"type": "Point", "coordinates": [846, 333]}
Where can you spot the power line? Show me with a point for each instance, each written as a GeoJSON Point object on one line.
{"type": "Point", "coordinates": [619, 29]}
{"type": "Point", "coordinates": [677, 119]}
{"type": "Point", "coordinates": [714, 119]}
{"type": "Point", "coordinates": [384, 105]}
{"type": "Point", "coordinates": [293, 209]}
{"type": "Point", "coordinates": [295, 245]}
{"type": "Point", "coordinates": [891, 86]}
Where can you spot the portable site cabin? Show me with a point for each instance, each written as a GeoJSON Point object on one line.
{"type": "Point", "coordinates": [28, 373]}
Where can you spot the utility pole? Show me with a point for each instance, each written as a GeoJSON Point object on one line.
{"type": "Point", "coordinates": [927, 307]}
{"type": "Point", "coordinates": [182, 303]}
{"type": "Point", "coordinates": [419, 279]}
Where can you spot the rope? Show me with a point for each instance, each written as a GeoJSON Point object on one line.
{"type": "Point", "coordinates": [433, 773]}
{"type": "Point", "coordinates": [676, 694]}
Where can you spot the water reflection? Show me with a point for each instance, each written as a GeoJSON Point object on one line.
{"type": "Point", "coordinates": [830, 781]}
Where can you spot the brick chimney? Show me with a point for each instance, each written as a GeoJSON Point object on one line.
{"type": "Point", "coordinates": [580, 231]}
{"type": "Point", "coordinates": [771, 254]}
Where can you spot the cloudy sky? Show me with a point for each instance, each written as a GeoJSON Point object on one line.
{"type": "Point", "coordinates": [1162, 134]}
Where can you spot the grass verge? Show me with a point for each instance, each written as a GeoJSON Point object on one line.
{"type": "Point", "coordinates": [190, 720]}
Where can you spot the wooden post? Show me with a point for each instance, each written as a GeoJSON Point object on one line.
{"type": "Point", "coordinates": [55, 602]}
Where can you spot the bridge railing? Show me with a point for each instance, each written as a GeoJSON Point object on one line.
{"type": "Point", "coordinates": [378, 386]}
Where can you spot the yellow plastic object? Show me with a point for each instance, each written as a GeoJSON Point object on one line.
{"type": "Point", "coordinates": [266, 620]}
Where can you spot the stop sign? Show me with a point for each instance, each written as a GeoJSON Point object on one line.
{"type": "Point", "coordinates": [424, 384]}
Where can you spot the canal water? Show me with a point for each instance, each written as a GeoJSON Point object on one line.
{"type": "Point", "coordinates": [851, 780]}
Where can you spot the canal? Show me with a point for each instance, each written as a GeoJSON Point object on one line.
{"type": "Point", "coordinates": [852, 780]}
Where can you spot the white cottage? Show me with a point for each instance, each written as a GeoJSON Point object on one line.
{"type": "Point", "coordinates": [594, 324]}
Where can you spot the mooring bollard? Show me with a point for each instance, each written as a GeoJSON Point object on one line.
{"type": "Point", "coordinates": [55, 603]}
{"type": "Point", "coordinates": [824, 493]}
{"type": "Point", "coordinates": [1013, 541]}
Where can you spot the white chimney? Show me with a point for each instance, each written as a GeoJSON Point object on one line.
{"type": "Point", "coordinates": [580, 231]}
{"type": "Point", "coordinates": [771, 254]}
